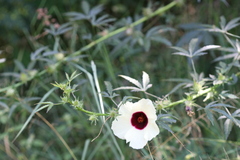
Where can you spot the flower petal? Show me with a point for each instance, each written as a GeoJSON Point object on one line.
{"type": "Point", "coordinates": [135, 137]}
{"type": "Point", "coordinates": [121, 126]}
{"type": "Point", "coordinates": [124, 129]}
{"type": "Point", "coordinates": [146, 106]}
{"type": "Point", "coordinates": [151, 131]}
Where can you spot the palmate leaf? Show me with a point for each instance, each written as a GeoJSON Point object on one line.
{"type": "Point", "coordinates": [225, 27]}
{"type": "Point", "coordinates": [91, 15]}
{"type": "Point", "coordinates": [192, 52]}
{"type": "Point", "coordinates": [164, 120]}
{"type": "Point", "coordinates": [139, 87]}
{"type": "Point", "coordinates": [211, 107]}
{"type": "Point", "coordinates": [195, 30]}
{"type": "Point", "coordinates": [154, 34]}
{"type": "Point", "coordinates": [230, 25]}
{"type": "Point", "coordinates": [61, 30]}
{"type": "Point", "coordinates": [103, 20]}
{"type": "Point", "coordinates": [234, 51]}
{"type": "Point", "coordinates": [228, 124]}
{"type": "Point", "coordinates": [209, 115]}
{"type": "Point", "coordinates": [36, 54]}
{"type": "Point", "coordinates": [185, 83]}
{"type": "Point", "coordinates": [109, 93]}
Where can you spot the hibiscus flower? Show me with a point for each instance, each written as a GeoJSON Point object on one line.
{"type": "Point", "coordinates": [136, 123]}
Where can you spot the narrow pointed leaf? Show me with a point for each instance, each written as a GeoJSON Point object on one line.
{"type": "Point", "coordinates": [133, 81]}
{"type": "Point", "coordinates": [228, 124]}
{"type": "Point", "coordinates": [182, 54]}
{"type": "Point", "coordinates": [33, 113]}
{"type": "Point", "coordinates": [192, 45]}
{"type": "Point", "coordinates": [232, 24]}
{"type": "Point", "coordinates": [109, 87]}
{"type": "Point", "coordinates": [208, 47]}
{"type": "Point", "coordinates": [222, 112]}
{"type": "Point", "coordinates": [127, 87]}
{"type": "Point", "coordinates": [85, 7]}
{"type": "Point", "coordinates": [145, 80]}
{"type": "Point", "coordinates": [225, 57]}
{"type": "Point", "coordinates": [209, 115]}
{"type": "Point", "coordinates": [180, 50]}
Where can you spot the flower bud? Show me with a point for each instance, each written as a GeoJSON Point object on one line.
{"type": "Point", "coordinates": [93, 118]}
{"type": "Point", "coordinates": [24, 77]}
{"type": "Point", "coordinates": [10, 92]}
{"type": "Point", "coordinates": [59, 56]}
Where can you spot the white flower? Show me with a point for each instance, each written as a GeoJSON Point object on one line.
{"type": "Point", "coordinates": [136, 123]}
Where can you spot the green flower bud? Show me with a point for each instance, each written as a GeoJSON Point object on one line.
{"type": "Point", "coordinates": [113, 113]}
{"type": "Point", "coordinates": [23, 77]}
{"type": "Point", "coordinates": [93, 118]}
{"type": "Point", "coordinates": [10, 92]}
{"type": "Point", "coordinates": [59, 56]}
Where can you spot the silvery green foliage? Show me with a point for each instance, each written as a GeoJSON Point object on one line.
{"type": "Point", "coordinates": [214, 107]}
{"type": "Point", "coordinates": [136, 36]}
{"type": "Point", "coordinates": [164, 120]}
{"type": "Point", "coordinates": [224, 26]}
{"type": "Point", "coordinates": [139, 87]}
{"type": "Point", "coordinates": [205, 32]}
{"type": "Point", "coordinates": [60, 30]}
{"type": "Point", "coordinates": [234, 118]}
{"type": "Point", "coordinates": [225, 95]}
{"type": "Point", "coordinates": [42, 53]}
{"type": "Point", "coordinates": [92, 15]}
{"type": "Point", "coordinates": [109, 93]}
{"type": "Point", "coordinates": [193, 51]}
{"type": "Point", "coordinates": [185, 83]}
{"type": "Point", "coordinates": [154, 34]}
{"type": "Point", "coordinates": [234, 51]}
{"type": "Point", "coordinates": [195, 30]}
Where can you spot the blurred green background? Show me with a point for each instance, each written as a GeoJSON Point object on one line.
{"type": "Point", "coordinates": [19, 24]}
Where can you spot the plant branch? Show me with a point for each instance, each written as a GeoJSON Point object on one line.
{"type": "Point", "coordinates": [90, 45]}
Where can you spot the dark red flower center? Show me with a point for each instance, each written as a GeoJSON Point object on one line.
{"type": "Point", "coordinates": [139, 120]}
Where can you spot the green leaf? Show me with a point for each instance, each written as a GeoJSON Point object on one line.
{"type": "Point", "coordinates": [109, 87]}
{"type": "Point", "coordinates": [33, 112]}
{"type": "Point", "coordinates": [209, 115]}
{"type": "Point", "coordinates": [67, 76]}
{"type": "Point", "coordinates": [222, 112]}
{"type": "Point", "coordinates": [192, 45]}
{"type": "Point", "coordinates": [85, 7]}
{"type": "Point", "coordinates": [164, 120]}
{"type": "Point", "coordinates": [228, 124]}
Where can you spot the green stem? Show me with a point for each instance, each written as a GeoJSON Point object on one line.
{"type": "Point", "coordinates": [192, 97]}
{"type": "Point", "coordinates": [158, 11]}
{"type": "Point", "coordinates": [91, 113]}
{"type": "Point", "coordinates": [195, 96]}
{"type": "Point", "coordinates": [194, 69]}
